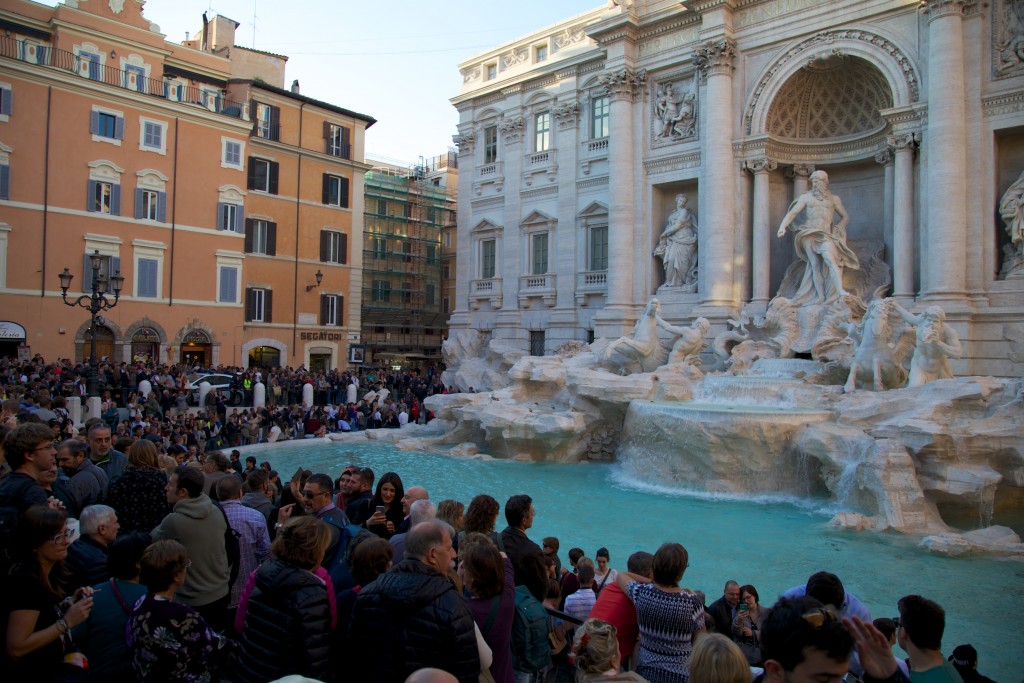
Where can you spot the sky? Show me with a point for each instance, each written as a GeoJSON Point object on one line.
{"type": "Point", "coordinates": [395, 60]}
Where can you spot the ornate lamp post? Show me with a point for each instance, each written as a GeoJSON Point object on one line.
{"type": "Point", "coordinates": [94, 302]}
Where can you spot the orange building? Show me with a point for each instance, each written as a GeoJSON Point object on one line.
{"type": "Point", "coordinates": [218, 194]}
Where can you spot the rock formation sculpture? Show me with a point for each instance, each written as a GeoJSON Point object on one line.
{"type": "Point", "coordinates": [677, 247]}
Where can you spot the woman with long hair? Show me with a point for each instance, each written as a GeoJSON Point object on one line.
{"type": "Point", "coordinates": [138, 496]}
{"type": "Point", "coordinates": [387, 506]}
{"type": "Point", "coordinates": [481, 517]}
{"type": "Point", "coordinates": [39, 618]}
{"type": "Point", "coordinates": [487, 575]}
{"type": "Point", "coordinates": [288, 616]}
{"type": "Point", "coordinates": [746, 627]}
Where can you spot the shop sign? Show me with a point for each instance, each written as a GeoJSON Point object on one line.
{"type": "Point", "coordinates": [11, 330]}
{"type": "Point", "coordinates": [319, 336]}
{"type": "Point", "coordinates": [24, 353]}
{"type": "Point", "coordinates": [196, 337]}
{"type": "Point", "coordinates": [145, 336]}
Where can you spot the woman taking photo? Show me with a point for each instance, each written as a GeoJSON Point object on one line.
{"type": "Point", "coordinates": [667, 616]}
{"type": "Point", "coordinates": [288, 617]}
{"type": "Point", "coordinates": [746, 627]}
{"type": "Point", "coordinates": [387, 506]}
{"type": "Point", "coordinates": [39, 618]}
{"type": "Point", "coordinates": [138, 496]}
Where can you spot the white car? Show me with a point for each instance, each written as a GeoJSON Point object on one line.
{"type": "Point", "coordinates": [217, 381]}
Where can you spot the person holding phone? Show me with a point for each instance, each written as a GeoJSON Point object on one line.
{"type": "Point", "coordinates": [746, 627]}
{"type": "Point", "coordinates": [387, 508]}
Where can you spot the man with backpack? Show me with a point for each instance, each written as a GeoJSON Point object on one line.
{"type": "Point", "coordinates": [30, 453]}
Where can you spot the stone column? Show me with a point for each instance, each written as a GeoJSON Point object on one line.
{"type": "Point", "coordinates": [801, 173]}
{"type": "Point", "coordinates": [760, 168]}
{"type": "Point", "coordinates": [903, 216]}
{"type": "Point", "coordinates": [884, 159]}
{"type": "Point", "coordinates": [717, 228]}
{"type": "Point", "coordinates": [945, 270]}
{"type": "Point", "coordinates": [622, 86]}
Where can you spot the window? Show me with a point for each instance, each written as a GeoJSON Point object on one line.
{"type": "Point", "coordinates": [599, 248]}
{"type": "Point", "coordinates": [231, 153]}
{"type": "Point", "coordinates": [150, 205]}
{"type": "Point", "coordinates": [330, 309]}
{"type": "Point", "coordinates": [258, 305]}
{"type": "Point", "coordinates": [407, 292]}
{"type": "Point", "coordinates": [262, 175]}
{"type": "Point", "coordinates": [335, 190]}
{"type": "Point", "coordinates": [487, 254]}
{"type": "Point", "coordinates": [337, 140]}
{"type": "Point", "coordinates": [382, 207]}
{"type": "Point", "coordinates": [380, 248]}
{"type": "Point", "coordinates": [333, 246]}
{"type": "Point", "coordinates": [536, 342]}
{"type": "Point", "coordinates": [446, 305]}
{"type": "Point", "coordinates": [151, 136]}
{"type": "Point", "coordinates": [106, 126]}
{"type": "Point", "coordinates": [105, 197]}
{"type": "Point", "coordinates": [109, 264]}
{"type": "Point", "coordinates": [490, 144]}
{"type": "Point", "coordinates": [381, 291]}
{"type": "Point", "coordinates": [430, 294]}
{"type": "Point", "coordinates": [540, 53]}
{"type": "Point", "coordinates": [146, 277]}
{"type": "Point", "coordinates": [446, 272]}
{"type": "Point", "coordinates": [542, 132]}
{"type": "Point", "coordinates": [492, 71]}
{"type": "Point", "coordinates": [447, 239]}
{"type": "Point", "coordinates": [539, 253]}
{"type": "Point", "coordinates": [227, 284]}
{"type": "Point", "coordinates": [599, 117]}
{"type": "Point", "coordinates": [407, 210]}
{"type": "Point", "coordinates": [5, 181]}
{"type": "Point", "coordinates": [407, 250]}
{"type": "Point", "coordinates": [431, 254]}
{"type": "Point", "coordinates": [267, 121]}
{"type": "Point", "coordinates": [6, 101]}
{"type": "Point", "coordinates": [229, 217]}
{"type": "Point", "coordinates": [260, 237]}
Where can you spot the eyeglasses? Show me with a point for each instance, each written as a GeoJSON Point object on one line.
{"type": "Point", "coordinates": [44, 447]}
{"type": "Point", "coordinates": [819, 616]}
{"type": "Point", "coordinates": [63, 537]}
{"type": "Point", "coordinates": [312, 494]}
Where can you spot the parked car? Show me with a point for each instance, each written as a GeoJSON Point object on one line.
{"type": "Point", "coordinates": [230, 386]}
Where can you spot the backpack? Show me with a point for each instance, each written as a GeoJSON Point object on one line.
{"type": "Point", "coordinates": [231, 546]}
{"type": "Point", "coordinates": [337, 565]}
{"type": "Point", "coordinates": [531, 648]}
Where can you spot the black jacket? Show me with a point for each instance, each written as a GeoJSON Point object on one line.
{"type": "Point", "coordinates": [287, 626]}
{"type": "Point", "coordinates": [409, 618]}
{"type": "Point", "coordinates": [358, 508]}
{"type": "Point", "coordinates": [722, 612]}
{"type": "Point", "coordinates": [86, 563]}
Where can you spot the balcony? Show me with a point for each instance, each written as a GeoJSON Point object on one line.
{"type": "Point", "coordinates": [535, 163]}
{"type": "Point", "coordinates": [590, 283]}
{"type": "Point", "coordinates": [537, 287]}
{"type": "Point", "coordinates": [489, 174]}
{"type": "Point", "coordinates": [488, 289]}
{"type": "Point", "coordinates": [130, 79]}
{"type": "Point", "coordinates": [592, 151]}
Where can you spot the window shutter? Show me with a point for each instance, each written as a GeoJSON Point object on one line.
{"type": "Point", "coordinates": [239, 225]}
{"type": "Point", "coordinates": [324, 308]}
{"type": "Point", "coordinates": [86, 273]}
{"type": "Point", "coordinates": [341, 310]}
{"type": "Point", "coordinates": [6, 98]}
{"type": "Point", "coordinates": [327, 130]}
{"type": "Point", "coordinates": [273, 177]}
{"type": "Point", "coordinates": [250, 182]}
{"type": "Point", "coordinates": [344, 191]}
{"type": "Point", "coordinates": [344, 136]}
{"type": "Point", "coordinates": [221, 217]}
{"type": "Point", "coordinates": [5, 182]}
{"type": "Point", "coordinates": [94, 122]}
{"type": "Point", "coordinates": [138, 202]}
{"type": "Point", "coordinates": [119, 128]}
{"type": "Point", "coordinates": [326, 189]}
{"type": "Point", "coordinates": [343, 248]}
{"type": "Point", "coordinates": [249, 227]}
{"type": "Point", "coordinates": [115, 267]}
{"type": "Point", "coordinates": [249, 312]}
{"type": "Point", "coordinates": [268, 306]}
{"type": "Point", "coordinates": [90, 197]}
{"type": "Point", "coordinates": [325, 245]}
{"type": "Point", "coordinates": [275, 124]}
{"type": "Point", "coordinates": [271, 239]}
{"type": "Point", "coordinates": [146, 278]}
{"type": "Point", "coordinates": [229, 285]}
{"type": "Point", "coordinates": [161, 208]}
{"type": "Point", "coordinates": [115, 200]}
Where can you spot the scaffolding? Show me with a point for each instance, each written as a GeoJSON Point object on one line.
{"type": "Point", "coordinates": [406, 211]}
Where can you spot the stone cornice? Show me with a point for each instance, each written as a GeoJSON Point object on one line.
{"type": "Point", "coordinates": [539, 192]}
{"type": "Point", "coordinates": [1003, 103]}
{"type": "Point", "coordinates": [940, 8]}
{"type": "Point", "coordinates": [498, 200]}
{"type": "Point", "coordinates": [599, 181]}
{"type": "Point", "coordinates": [816, 152]}
{"type": "Point", "coordinates": [614, 29]}
{"type": "Point", "coordinates": [676, 162]}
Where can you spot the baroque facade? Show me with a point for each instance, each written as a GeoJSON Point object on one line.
{"type": "Point", "coordinates": [576, 142]}
{"type": "Point", "coordinates": [216, 192]}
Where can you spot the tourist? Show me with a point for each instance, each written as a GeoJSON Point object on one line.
{"type": "Point", "coordinates": [257, 495]}
{"type": "Point", "coordinates": [603, 574]}
{"type": "Point", "coordinates": [387, 510]}
{"type": "Point", "coordinates": [421, 511]}
{"type": "Point", "coordinates": [87, 483]}
{"type": "Point", "coordinates": [668, 616]}
{"type": "Point", "coordinates": [28, 449]}
{"type": "Point", "coordinates": [452, 512]}
{"type": "Point", "coordinates": [919, 632]}
{"type": "Point", "coordinates": [251, 529]}
{"type": "Point", "coordinates": [965, 660]}
{"type": "Point", "coordinates": [216, 466]}
{"type": "Point", "coordinates": [716, 659]}
{"type": "Point", "coordinates": [596, 654]}
{"type": "Point", "coordinates": [569, 582]}
{"type": "Point", "coordinates": [360, 495]}
{"type": "Point", "coordinates": [481, 517]}
{"type": "Point", "coordinates": [615, 607]}
{"type": "Point", "coordinates": [519, 513]}
{"type": "Point", "coordinates": [723, 610]}
{"type": "Point", "coordinates": [829, 590]}
{"type": "Point", "coordinates": [413, 494]}
{"type": "Point", "coordinates": [87, 556]}
{"type": "Point", "coordinates": [887, 627]}
{"type": "Point", "coordinates": [579, 604]}
{"type": "Point", "coordinates": [746, 627]}
{"type": "Point", "coordinates": [371, 557]}
{"type": "Point", "coordinates": [103, 454]}
{"type": "Point", "coordinates": [139, 495]}
{"type": "Point", "coordinates": [38, 617]}
{"type": "Point", "coordinates": [169, 640]}
{"type": "Point", "coordinates": [549, 546]}
{"type": "Point", "coordinates": [288, 613]}
{"type": "Point", "coordinates": [488, 578]}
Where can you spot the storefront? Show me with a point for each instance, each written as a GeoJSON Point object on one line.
{"type": "Point", "coordinates": [196, 349]}
{"type": "Point", "coordinates": [104, 344]}
{"type": "Point", "coordinates": [264, 357]}
{"type": "Point", "coordinates": [12, 336]}
{"type": "Point", "coordinates": [145, 345]}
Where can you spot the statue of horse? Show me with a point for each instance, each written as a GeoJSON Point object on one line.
{"type": "Point", "coordinates": [643, 346]}
{"type": "Point", "coordinates": [882, 348]}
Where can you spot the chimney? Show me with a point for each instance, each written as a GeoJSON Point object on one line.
{"type": "Point", "coordinates": [295, 86]}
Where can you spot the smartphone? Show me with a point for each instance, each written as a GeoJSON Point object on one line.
{"type": "Point", "coordinates": [380, 509]}
{"type": "Point", "coordinates": [743, 607]}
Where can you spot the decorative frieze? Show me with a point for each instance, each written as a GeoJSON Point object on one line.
{"type": "Point", "coordinates": [1003, 103]}
{"type": "Point", "coordinates": [669, 164]}
{"type": "Point", "coordinates": [570, 36]}
{"type": "Point", "coordinates": [939, 8]}
{"type": "Point", "coordinates": [514, 57]}
{"type": "Point", "coordinates": [715, 57]}
{"type": "Point", "coordinates": [623, 84]}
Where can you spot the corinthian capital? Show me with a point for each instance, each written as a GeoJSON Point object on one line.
{"type": "Point", "coordinates": [761, 165]}
{"type": "Point", "coordinates": [624, 83]}
{"type": "Point", "coordinates": [940, 8]}
{"type": "Point", "coordinates": [715, 57]}
{"type": "Point", "coordinates": [903, 141]}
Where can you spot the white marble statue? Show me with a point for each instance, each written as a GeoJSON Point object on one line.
{"type": "Point", "coordinates": [1011, 208]}
{"type": "Point", "coordinates": [820, 242]}
{"type": "Point", "coordinates": [677, 247]}
{"type": "Point", "coordinates": [882, 345]}
{"type": "Point", "coordinates": [676, 117]}
{"type": "Point", "coordinates": [936, 343]}
{"type": "Point", "coordinates": [689, 340]}
{"type": "Point", "coordinates": [645, 348]}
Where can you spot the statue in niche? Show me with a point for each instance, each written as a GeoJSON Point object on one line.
{"type": "Point", "coordinates": [677, 247]}
{"type": "Point", "coordinates": [676, 116]}
{"type": "Point", "coordinates": [1011, 209]}
{"type": "Point", "coordinates": [936, 343]}
{"type": "Point", "coordinates": [820, 243]}
{"type": "Point", "coordinates": [882, 348]}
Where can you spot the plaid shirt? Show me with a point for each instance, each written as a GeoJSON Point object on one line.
{"type": "Point", "coordinates": [254, 542]}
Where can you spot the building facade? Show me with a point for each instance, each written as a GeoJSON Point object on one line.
{"type": "Point", "coordinates": [410, 212]}
{"type": "Point", "coordinates": [576, 141]}
{"type": "Point", "coordinates": [215, 192]}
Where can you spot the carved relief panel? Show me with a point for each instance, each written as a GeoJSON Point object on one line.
{"type": "Point", "coordinates": [674, 109]}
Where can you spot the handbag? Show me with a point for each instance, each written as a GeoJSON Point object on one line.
{"type": "Point", "coordinates": [556, 637]}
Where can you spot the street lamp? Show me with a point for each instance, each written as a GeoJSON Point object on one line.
{"type": "Point", "coordinates": [319, 278]}
{"type": "Point", "coordinates": [94, 302]}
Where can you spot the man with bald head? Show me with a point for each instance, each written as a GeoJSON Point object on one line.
{"type": "Point", "coordinates": [412, 494]}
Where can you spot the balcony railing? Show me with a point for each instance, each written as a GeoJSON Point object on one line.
{"type": "Point", "coordinates": [126, 79]}
{"type": "Point", "coordinates": [542, 286]}
{"type": "Point", "coordinates": [592, 281]}
{"type": "Point", "coordinates": [489, 171]}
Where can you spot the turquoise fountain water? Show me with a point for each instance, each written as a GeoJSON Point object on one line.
{"type": "Point", "coordinates": [771, 542]}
